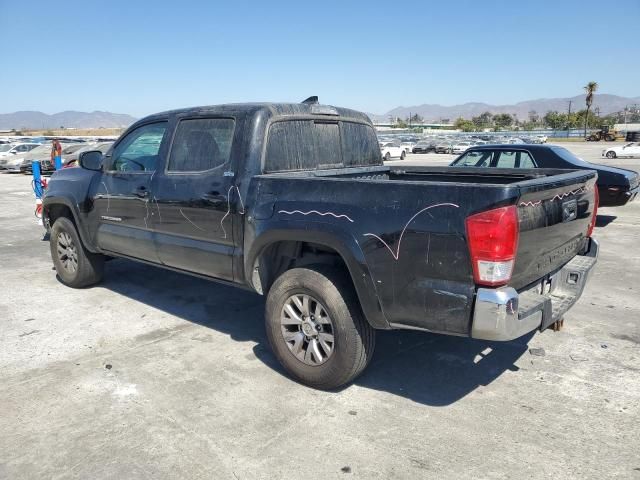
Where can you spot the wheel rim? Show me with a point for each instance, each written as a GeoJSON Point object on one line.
{"type": "Point", "coordinates": [67, 252]}
{"type": "Point", "coordinates": [307, 329]}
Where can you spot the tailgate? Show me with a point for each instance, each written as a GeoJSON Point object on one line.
{"type": "Point", "coordinates": [554, 216]}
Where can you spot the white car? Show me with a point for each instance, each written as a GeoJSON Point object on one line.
{"type": "Point", "coordinates": [391, 150]}
{"type": "Point", "coordinates": [628, 150]}
{"type": "Point", "coordinates": [16, 149]}
{"type": "Point", "coordinates": [408, 146]}
{"type": "Point", "coordinates": [460, 147]}
{"type": "Point", "coordinates": [542, 138]}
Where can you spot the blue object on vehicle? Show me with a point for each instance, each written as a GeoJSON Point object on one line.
{"type": "Point", "coordinates": [37, 178]}
{"type": "Point", "coordinates": [57, 161]}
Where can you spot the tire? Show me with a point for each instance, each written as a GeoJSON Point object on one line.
{"type": "Point", "coordinates": [353, 337]}
{"type": "Point", "coordinates": [610, 154]}
{"type": "Point", "coordinates": [403, 155]}
{"type": "Point", "coordinates": [75, 265]}
{"type": "Point", "coordinates": [387, 157]}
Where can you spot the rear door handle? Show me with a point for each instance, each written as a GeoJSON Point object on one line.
{"type": "Point", "coordinates": [141, 192]}
{"type": "Point", "coordinates": [214, 198]}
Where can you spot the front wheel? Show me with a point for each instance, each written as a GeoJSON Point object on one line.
{"type": "Point", "coordinates": [75, 265]}
{"type": "Point", "coordinates": [387, 157]}
{"type": "Point", "coordinates": [611, 154]}
{"type": "Point", "coordinates": [403, 155]}
{"type": "Point", "coordinates": [315, 327]}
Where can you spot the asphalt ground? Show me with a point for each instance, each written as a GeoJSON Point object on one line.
{"type": "Point", "coordinates": [153, 374]}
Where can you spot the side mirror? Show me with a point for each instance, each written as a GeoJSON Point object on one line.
{"type": "Point", "coordinates": [91, 160]}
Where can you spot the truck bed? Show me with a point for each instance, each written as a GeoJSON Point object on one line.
{"type": "Point", "coordinates": [410, 226]}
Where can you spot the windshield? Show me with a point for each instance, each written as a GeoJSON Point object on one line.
{"type": "Point", "coordinates": [5, 148]}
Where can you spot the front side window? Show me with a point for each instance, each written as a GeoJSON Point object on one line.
{"type": "Point", "coordinates": [201, 144]}
{"type": "Point", "coordinates": [138, 151]}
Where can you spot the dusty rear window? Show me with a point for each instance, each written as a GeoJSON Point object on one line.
{"type": "Point", "coordinates": [312, 144]}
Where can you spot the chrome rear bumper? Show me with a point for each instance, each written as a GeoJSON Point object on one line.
{"type": "Point", "coordinates": [504, 314]}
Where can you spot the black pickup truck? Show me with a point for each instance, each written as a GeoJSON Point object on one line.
{"type": "Point", "coordinates": [294, 202]}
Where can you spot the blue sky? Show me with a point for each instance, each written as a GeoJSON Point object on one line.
{"type": "Point", "coordinates": [142, 57]}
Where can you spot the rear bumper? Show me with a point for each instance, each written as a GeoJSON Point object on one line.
{"type": "Point", "coordinates": [618, 198]}
{"type": "Point", "coordinates": [504, 314]}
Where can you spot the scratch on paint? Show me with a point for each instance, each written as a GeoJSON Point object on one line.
{"type": "Point", "coordinates": [146, 206]}
{"type": "Point", "coordinates": [241, 212]}
{"type": "Point", "coordinates": [396, 254]}
{"type": "Point", "coordinates": [158, 207]}
{"type": "Point", "coordinates": [189, 220]}
{"type": "Point", "coordinates": [323, 214]}
{"type": "Point", "coordinates": [559, 196]}
{"type": "Point", "coordinates": [108, 196]}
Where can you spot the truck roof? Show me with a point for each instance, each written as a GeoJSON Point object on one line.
{"type": "Point", "coordinates": [271, 109]}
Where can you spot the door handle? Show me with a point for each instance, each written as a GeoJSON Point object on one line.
{"type": "Point", "coordinates": [214, 198]}
{"type": "Point", "coordinates": [141, 192]}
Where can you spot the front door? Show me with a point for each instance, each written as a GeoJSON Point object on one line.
{"type": "Point", "coordinates": [122, 209]}
{"type": "Point", "coordinates": [196, 200]}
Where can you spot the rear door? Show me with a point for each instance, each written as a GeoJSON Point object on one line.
{"type": "Point", "coordinates": [121, 199]}
{"type": "Point", "coordinates": [195, 197]}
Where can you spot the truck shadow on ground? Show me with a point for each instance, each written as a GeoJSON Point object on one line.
{"type": "Point", "coordinates": [431, 369]}
{"type": "Point", "coordinates": [604, 220]}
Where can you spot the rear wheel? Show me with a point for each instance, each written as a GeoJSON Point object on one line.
{"type": "Point", "coordinates": [387, 157]}
{"type": "Point", "coordinates": [315, 327]}
{"type": "Point", "coordinates": [403, 155]}
{"type": "Point", "coordinates": [75, 265]}
{"type": "Point", "coordinates": [611, 154]}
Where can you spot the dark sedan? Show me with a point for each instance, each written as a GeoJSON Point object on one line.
{"type": "Point", "coordinates": [423, 147]}
{"type": "Point", "coordinates": [616, 186]}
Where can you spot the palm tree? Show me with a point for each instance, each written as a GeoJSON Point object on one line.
{"type": "Point", "coordinates": [590, 88]}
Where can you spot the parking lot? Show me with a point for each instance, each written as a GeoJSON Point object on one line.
{"type": "Point", "coordinates": [153, 374]}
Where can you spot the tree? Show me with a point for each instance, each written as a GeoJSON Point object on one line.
{"type": "Point", "coordinates": [503, 120]}
{"type": "Point", "coordinates": [464, 125]}
{"type": "Point", "coordinates": [590, 88]}
{"type": "Point", "coordinates": [484, 120]}
{"type": "Point", "coordinates": [555, 120]}
{"type": "Point", "coordinates": [415, 118]}
{"type": "Point", "coordinates": [534, 118]}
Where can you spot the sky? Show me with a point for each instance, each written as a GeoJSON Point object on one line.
{"type": "Point", "coordinates": [144, 57]}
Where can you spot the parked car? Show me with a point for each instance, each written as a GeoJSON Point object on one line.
{"type": "Point", "coordinates": [14, 163]}
{"type": "Point", "coordinates": [7, 150]}
{"type": "Point", "coordinates": [408, 146]}
{"type": "Point", "coordinates": [391, 150]}
{"type": "Point", "coordinates": [292, 201]}
{"type": "Point", "coordinates": [71, 160]}
{"type": "Point", "coordinates": [628, 150]}
{"type": "Point", "coordinates": [616, 186]}
{"type": "Point", "coordinates": [442, 147]}
{"type": "Point", "coordinates": [42, 154]}
{"type": "Point", "coordinates": [460, 147]}
{"type": "Point", "coordinates": [423, 146]}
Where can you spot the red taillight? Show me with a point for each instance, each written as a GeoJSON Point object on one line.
{"type": "Point", "coordinates": [596, 200]}
{"type": "Point", "coordinates": [493, 241]}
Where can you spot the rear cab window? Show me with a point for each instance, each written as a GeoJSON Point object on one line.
{"type": "Point", "coordinates": [318, 144]}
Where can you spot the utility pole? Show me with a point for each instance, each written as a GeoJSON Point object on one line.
{"type": "Point", "coordinates": [569, 118]}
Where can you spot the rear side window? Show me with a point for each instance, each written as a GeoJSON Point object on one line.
{"type": "Point", "coordinates": [201, 144]}
{"type": "Point", "coordinates": [309, 144]}
{"type": "Point", "coordinates": [508, 159]}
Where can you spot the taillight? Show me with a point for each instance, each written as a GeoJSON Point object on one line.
{"type": "Point", "coordinates": [493, 241]}
{"type": "Point", "coordinates": [596, 200]}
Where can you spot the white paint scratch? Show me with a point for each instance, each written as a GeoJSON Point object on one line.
{"type": "Point", "coordinates": [317, 213]}
{"type": "Point", "coordinates": [396, 254]}
{"type": "Point", "coordinates": [559, 196]}
{"type": "Point", "coordinates": [189, 220]}
{"type": "Point", "coordinates": [241, 212]}
{"type": "Point", "coordinates": [108, 196]}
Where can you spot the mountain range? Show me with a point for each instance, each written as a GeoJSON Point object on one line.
{"type": "Point", "coordinates": [429, 112]}
{"type": "Point", "coordinates": [435, 113]}
{"type": "Point", "coordinates": [69, 119]}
